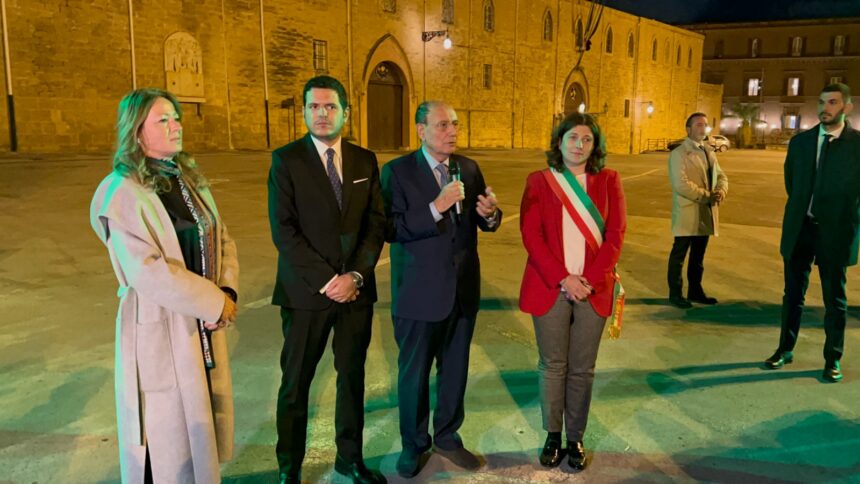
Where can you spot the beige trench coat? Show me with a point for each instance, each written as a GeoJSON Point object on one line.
{"type": "Point", "coordinates": [162, 398]}
{"type": "Point", "coordinates": [692, 213]}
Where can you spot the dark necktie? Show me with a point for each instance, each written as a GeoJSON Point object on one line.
{"type": "Point", "coordinates": [332, 176]}
{"type": "Point", "coordinates": [822, 155]}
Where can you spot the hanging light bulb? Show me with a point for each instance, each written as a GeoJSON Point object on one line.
{"type": "Point", "coordinates": [447, 43]}
{"type": "Point", "coordinates": [581, 108]}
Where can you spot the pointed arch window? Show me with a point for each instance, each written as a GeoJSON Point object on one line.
{"type": "Point", "coordinates": [580, 41]}
{"type": "Point", "coordinates": [547, 26]}
{"type": "Point", "coordinates": [654, 50]}
{"type": "Point", "coordinates": [489, 16]}
{"type": "Point", "coordinates": [678, 57]}
{"type": "Point", "coordinates": [631, 45]}
{"type": "Point", "coordinates": [690, 58]}
{"type": "Point", "coordinates": [609, 40]}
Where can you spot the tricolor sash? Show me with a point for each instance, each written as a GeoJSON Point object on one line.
{"type": "Point", "coordinates": [590, 223]}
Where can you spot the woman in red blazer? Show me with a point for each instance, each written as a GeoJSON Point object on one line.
{"type": "Point", "coordinates": [568, 282]}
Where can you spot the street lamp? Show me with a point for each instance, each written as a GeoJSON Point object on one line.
{"type": "Point", "coordinates": [648, 109]}
{"type": "Point", "coordinates": [429, 35]}
{"type": "Point", "coordinates": [582, 109]}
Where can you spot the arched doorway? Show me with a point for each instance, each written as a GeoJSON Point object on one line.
{"type": "Point", "coordinates": [385, 103]}
{"type": "Point", "coordinates": [573, 98]}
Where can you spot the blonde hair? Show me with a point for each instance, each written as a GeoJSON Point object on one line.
{"type": "Point", "coordinates": [129, 159]}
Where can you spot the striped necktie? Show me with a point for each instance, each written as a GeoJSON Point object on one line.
{"type": "Point", "coordinates": [336, 184]}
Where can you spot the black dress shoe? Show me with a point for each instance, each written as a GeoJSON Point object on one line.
{"type": "Point", "coordinates": [679, 302]}
{"type": "Point", "coordinates": [358, 472]}
{"type": "Point", "coordinates": [461, 457]}
{"type": "Point", "coordinates": [550, 456]}
{"type": "Point", "coordinates": [409, 463]}
{"type": "Point", "coordinates": [701, 298]}
{"type": "Point", "coordinates": [832, 372]}
{"type": "Point", "coordinates": [576, 455]}
{"type": "Point", "coordinates": [778, 360]}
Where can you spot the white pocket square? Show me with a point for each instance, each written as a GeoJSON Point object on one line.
{"type": "Point", "coordinates": [359, 181]}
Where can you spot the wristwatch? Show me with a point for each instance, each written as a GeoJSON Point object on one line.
{"type": "Point", "coordinates": [357, 279]}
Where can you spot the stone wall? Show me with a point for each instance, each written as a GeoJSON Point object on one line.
{"type": "Point", "coordinates": [71, 62]}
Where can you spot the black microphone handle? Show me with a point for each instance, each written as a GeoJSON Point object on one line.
{"type": "Point", "coordinates": [459, 205]}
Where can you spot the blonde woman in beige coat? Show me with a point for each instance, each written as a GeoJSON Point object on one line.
{"type": "Point", "coordinates": [178, 273]}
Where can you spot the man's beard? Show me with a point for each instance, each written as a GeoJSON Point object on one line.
{"type": "Point", "coordinates": [836, 119]}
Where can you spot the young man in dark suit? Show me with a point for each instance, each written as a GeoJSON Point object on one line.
{"type": "Point", "coordinates": [435, 202]}
{"type": "Point", "coordinates": [327, 221]}
{"type": "Point", "coordinates": [822, 215]}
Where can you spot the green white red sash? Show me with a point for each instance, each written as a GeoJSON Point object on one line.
{"type": "Point", "coordinates": [578, 205]}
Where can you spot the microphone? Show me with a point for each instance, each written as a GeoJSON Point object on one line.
{"type": "Point", "coordinates": [454, 171]}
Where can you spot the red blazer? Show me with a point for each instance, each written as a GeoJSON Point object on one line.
{"type": "Point", "coordinates": [541, 228]}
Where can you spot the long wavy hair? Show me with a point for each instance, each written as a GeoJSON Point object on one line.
{"type": "Point", "coordinates": [596, 161]}
{"type": "Point", "coordinates": [129, 159]}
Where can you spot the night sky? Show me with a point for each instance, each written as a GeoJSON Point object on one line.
{"type": "Point", "coordinates": [699, 11]}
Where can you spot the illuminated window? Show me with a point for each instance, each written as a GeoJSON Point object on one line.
{"type": "Point", "coordinates": [839, 45]}
{"type": "Point", "coordinates": [796, 46]}
{"type": "Point", "coordinates": [836, 80]}
{"type": "Point", "coordinates": [754, 46]}
{"type": "Point", "coordinates": [753, 86]}
{"type": "Point", "coordinates": [792, 87]}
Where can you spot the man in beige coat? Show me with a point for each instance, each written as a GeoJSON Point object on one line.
{"type": "Point", "coordinates": [698, 187]}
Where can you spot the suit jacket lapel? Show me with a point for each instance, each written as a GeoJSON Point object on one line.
{"type": "Point", "coordinates": [319, 177]}
{"type": "Point", "coordinates": [427, 180]}
{"type": "Point", "coordinates": [348, 171]}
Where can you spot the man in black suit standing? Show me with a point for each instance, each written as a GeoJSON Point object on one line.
{"type": "Point", "coordinates": [435, 202]}
{"type": "Point", "coordinates": [327, 220]}
{"type": "Point", "coordinates": [822, 215]}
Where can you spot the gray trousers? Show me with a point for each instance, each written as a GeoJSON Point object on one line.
{"type": "Point", "coordinates": [568, 337]}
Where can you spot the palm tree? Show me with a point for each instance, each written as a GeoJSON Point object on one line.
{"type": "Point", "coordinates": [747, 113]}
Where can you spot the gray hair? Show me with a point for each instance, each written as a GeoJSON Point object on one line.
{"type": "Point", "coordinates": [424, 109]}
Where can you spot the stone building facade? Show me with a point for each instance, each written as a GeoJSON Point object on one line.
{"type": "Point", "coordinates": [239, 67]}
{"type": "Point", "coordinates": [781, 67]}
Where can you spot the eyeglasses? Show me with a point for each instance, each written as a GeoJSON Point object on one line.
{"type": "Point", "coordinates": [444, 125]}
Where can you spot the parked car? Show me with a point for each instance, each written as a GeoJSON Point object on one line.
{"type": "Point", "coordinates": [674, 144]}
{"type": "Point", "coordinates": [718, 143]}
